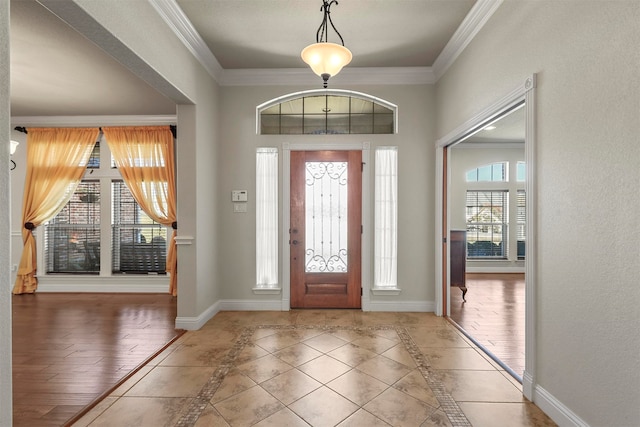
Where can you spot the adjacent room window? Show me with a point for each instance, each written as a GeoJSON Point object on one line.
{"type": "Point", "coordinates": [386, 218]}
{"type": "Point", "coordinates": [521, 223]}
{"type": "Point", "coordinates": [326, 112]}
{"type": "Point", "coordinates": [267, 218]}
{"type": "Point", "coordinates": [102, 212]}
{"type": "Point", "coordinates": [521, 172]}
{"type": "Point", "coordinates": [487, 223]}
{"type": "Point", "coordinates": [495, 172]}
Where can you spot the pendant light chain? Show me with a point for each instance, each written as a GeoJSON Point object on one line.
{"type": "Point", "coordinates": [322, 31]}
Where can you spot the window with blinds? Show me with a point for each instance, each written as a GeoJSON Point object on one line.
{"type": "Point", "coordinates": [72, 237]}
{"type": "Point", "coordinates": [521, 223]}
{"type": "Point", "coordinates": [139, 244]}
{"type": "Point", "coordinates": [487, 223]}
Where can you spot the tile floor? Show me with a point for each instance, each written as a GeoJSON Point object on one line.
{"type": "Point", "coordinates": [319, 368]}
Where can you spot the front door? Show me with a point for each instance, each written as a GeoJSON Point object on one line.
{"type": "Point", "coordinates": [326, 228]}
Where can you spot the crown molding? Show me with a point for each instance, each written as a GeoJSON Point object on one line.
{"type": "Point", "coordinates": [479, 14]}
{"type": "Point", "coordinates": [90, 121]}
{"type": "Point", "coordinates": [348, 76]}
{"type": "Point", "coordinates": [175, 18]}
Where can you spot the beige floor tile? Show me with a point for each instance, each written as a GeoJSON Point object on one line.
{"type": "Point", "coordinates": [297, 354]}
{"type": "Point", "coordinates": [505, 415]}
{"type": "Point", "coordinates": [349, 334]}
{"type": "Point", "coordinates": [211, 417]}
{"type": "Point", "coordinates": [325, 342]}
{"type": "Point", "coordinates": [399, 409]}
{"type": "Point", "coordinates": [363, 418]}
{"type": "Point", "coordinates": [479, 386]}
{"type": "Point", "coordinates": [249, 407]}
{"type": "Point", "coordinates": [352, 355]}
{"type": "Point", "coordinates": [456, 358]}
{"type": "Point", "coordinates": [400, 355]}
{"type": "Point", "coordinates": [283, 418]}
{"type": "Point", "coordinates": [323, 408]}
{"type": "Point", "coordinates": [445, 336]}
{"type": "Point", "coordinates": [290, 386]}
{"type": "Point", "coordinates": [196, 354]}
{"type": "Point", "coordinates": [234, 382]}
{"type": "Point", "coordinates": [142, 411]}
{"type": "Point", "coordinates": [437, 419]}
{"type": "Point", "coordinates": [416, 386]}
{"type": "Point", "coordinates": [386, 370]}
{"type": "Point", "coordinates": [264, 368]}
{"type": "Point", "coordinates": [172, 381]}
{"type": "Point", "coordinates": [250, 352]}
{"type": "Point", "coordinates": [324, 369]}
{"type": "Point", "coordinates": [277, 341]}
{"type": "Point", "coordinates": [357, 386]}
{"type": "Point", "coordinates": [375, 343]}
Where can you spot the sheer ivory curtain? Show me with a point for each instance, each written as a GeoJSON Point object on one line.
{"type": "Point", "coordinates": [267, 217]}
{"type": "Point", "coordinates": [386, 218]}
{"type": "Point", "coordinates": [56, 160]}
{"type": "Point", "coordinates": [145, 157]}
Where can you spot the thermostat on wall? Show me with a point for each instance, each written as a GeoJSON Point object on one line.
{"type": "Point", "coordinates": [239, 195]}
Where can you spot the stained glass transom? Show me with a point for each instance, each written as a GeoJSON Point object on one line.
{"type": "Point", "coordinates": [326, 217]}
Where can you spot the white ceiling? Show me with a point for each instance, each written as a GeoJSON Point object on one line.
{"type": "Point", "coordinates": [57, 71]}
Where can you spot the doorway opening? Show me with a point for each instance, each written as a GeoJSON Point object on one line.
{"type": "Point", "coordinates": [523, 94]}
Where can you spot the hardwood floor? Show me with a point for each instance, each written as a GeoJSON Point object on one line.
{"type": "Point", "coordinates": [494, 315]}
{"type": "Point", "coordinates": [71, 349]}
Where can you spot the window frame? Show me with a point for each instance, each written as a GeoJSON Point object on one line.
{"type": "Point", "coordinates": [503, 224]}
{"type": "Point", "coordinates": [105, 174]}
{"type": "Point", "coordinates": [325, 92]}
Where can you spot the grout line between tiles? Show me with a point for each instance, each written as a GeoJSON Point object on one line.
{"type": "Point", "coordinates": [201, 401]}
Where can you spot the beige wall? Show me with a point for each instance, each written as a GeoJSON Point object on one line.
{"type": "Point", "coordinates": [416, 158]}
{"type": "Point", "coordinates": [587, 59]}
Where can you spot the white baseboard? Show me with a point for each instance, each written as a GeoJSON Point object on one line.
{"type": "Point", "coordinates": [129, 284]}
{"type": "Point", "coordinates": [195, 323]}
{"type": "Point", "coordinates": [402, 306]}
{"type": "Point", "coordinates": [559, 413]}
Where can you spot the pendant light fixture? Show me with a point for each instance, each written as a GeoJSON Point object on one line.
{"type": "Point", "coordinates": [326, 59]}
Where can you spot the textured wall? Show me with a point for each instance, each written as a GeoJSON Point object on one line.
{"type": "Point", "coordinates": [587, 59]}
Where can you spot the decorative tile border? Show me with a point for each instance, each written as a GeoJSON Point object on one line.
{"type": "Point", "coordinates": [447, 403]}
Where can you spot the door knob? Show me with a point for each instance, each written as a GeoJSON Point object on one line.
{"type": "Point", "coordinates": [294, 242]}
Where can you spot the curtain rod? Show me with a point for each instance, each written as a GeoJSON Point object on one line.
{"type": "Point", "coordinates": [174, 129]}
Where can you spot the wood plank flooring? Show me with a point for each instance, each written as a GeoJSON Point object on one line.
{"type": "Point", "coordinates": [494, 315]}
{"type": "Point", "coordinates": [70, 349]}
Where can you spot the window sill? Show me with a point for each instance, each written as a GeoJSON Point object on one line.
{"type": "Point", "coordinates": [267, 291]}
{"type": "Point", "coordinates": [386, 291]}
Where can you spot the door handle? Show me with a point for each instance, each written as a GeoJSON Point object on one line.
{"type": "Point", "coordinates": [294, 242]}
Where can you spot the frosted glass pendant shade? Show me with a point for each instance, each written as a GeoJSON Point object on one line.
{"type": "Point", "coordinates": [326, 58]}
{"type": "Point", "coordinates": [12, 148]}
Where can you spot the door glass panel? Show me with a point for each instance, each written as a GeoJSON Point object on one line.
{"type": "Point", "coordinates": [326, 217]}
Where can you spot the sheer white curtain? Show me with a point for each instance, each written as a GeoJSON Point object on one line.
{"type": "Point", "coordinates": [386, 218]}
{"type": "Point", "coordinates": [267, 217]}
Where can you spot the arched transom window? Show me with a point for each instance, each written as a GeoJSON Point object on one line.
{"type": "Point", "coordinates": [326, 111]}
